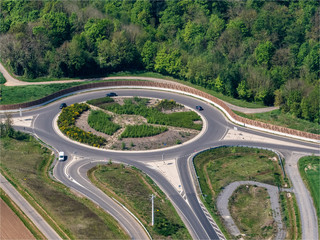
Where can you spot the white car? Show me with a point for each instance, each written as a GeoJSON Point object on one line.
{"type": "Point", "coordinates": [61, 156]}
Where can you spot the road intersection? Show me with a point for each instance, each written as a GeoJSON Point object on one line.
{"type": "Point", "coordinates": [185, 201]}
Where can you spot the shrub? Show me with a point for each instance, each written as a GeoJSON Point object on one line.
{"type": "Point", "coordinates": [66, 123]}
{"type": "Point", "coordinates": [137, 131]}
{"type": "Point", "coordinates": [101, 122]}
{"type": "Point", "coordinates": [99, 101]}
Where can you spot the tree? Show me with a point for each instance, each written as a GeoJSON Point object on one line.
{"type": "Point", "coordinates": [168, 61]}
{"type": "Point", "coordinates": [97, 30]}
{"type": "Point", "coordinates": [57, 27]}
{"type": "Point", "coordinates": [264, 52]}
{"type": "Point", "coordinates": [140, 12]}
{"type": "Point", "coordinates": [243, 91]}
{"type": "Point", "coordinates": [219, 85]}
{"type": "Point", "coordinates": [148, 54]}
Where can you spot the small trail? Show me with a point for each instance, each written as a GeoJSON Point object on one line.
{"type": "Point", "coordinates": [11, 81]}
{"type": "Point", "coordinates": [223, 202]}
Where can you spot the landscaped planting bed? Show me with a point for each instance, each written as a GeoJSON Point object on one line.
{"type": "Point", "coordinates": [66, 123]}
{"type": "Point", "coordinates": [101, 122]}
{"type": "Point", "coordinates": [138, 131]}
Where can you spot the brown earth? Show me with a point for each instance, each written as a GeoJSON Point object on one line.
{"type": "Point", "coordinates": [11, 226]}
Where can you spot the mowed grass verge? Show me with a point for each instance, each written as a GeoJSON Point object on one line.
{"type": "Point", "coordinates": [133, 189]}
{"type": "Point", "coordinates": [250, 207]}
{"type": "Point", "coordinates": [21, 215]}
{"type": "Point", "coordinates": [25, 164]}
{"type": "Point", "coordinates": [276, 117]}
{"type": "Point", "coordinates": [309, 168]}
{"type": "Point", "coordinates": [217, 168]}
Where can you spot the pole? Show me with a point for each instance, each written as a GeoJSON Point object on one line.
{"type": "Point", "coordinates": [152, 211]}
{"type": "Point", "coordinates": [20, 112]}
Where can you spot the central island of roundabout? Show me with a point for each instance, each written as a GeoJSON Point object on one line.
{"type": "Point", "coordinates": [130, 123]}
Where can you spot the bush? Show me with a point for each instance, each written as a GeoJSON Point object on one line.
{"type": "Point", "coordinates": [66, 123]}
{"type": "Point", "coordinates": [101, 122]}
{"type": "Point", "coordinates": [166, 104]}
{"type": "Point", "coordinates": [137, 131]}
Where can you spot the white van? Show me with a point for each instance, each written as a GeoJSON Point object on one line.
{"type": "Point", "coordinates": [61, 156]}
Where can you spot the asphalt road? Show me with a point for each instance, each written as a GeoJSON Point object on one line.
{"type": "Point", "coordinates": [190, 210]}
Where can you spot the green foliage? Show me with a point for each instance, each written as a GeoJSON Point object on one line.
{"type": "Point", "coordinates": [214, 44]}
{"type": "Point", "coordinates": [99, 101]}
{"type": "Point", "coordinates": [138, 131]}
{"type": "Point", "coordinates": [166, 104]}
{"type": "Point", "coordinates": [154, 116]}
{"type": "Point", "coordinates": [2, 79]}
{"type": "Point", "coordinates": [101, 122]}
{"type": "Point", "coordinates": [66, 123]}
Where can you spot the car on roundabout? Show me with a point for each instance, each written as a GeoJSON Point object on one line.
{"type": "Point", "coordinates": [61, 156]}
{"type": "Point", "coordinates": [63, 105]}
{"type": "Point", "coordinates": [111, 94]}
{"type": "Point", "coordinates": [199, 108]}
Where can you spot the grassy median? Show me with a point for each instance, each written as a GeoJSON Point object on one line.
{"type": "Point", "coordinates": [309, 168]}
{"type": "Point", "coordinates": [26, 163]}
{"type": "Point", "coordinates": [217, 168]}
{"type": "Point", "coordinates": [133, 189]}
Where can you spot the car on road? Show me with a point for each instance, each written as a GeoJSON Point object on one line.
{"type": "Point", "coordinates": [111, 94]}
{"type": "Point", "coordinates": [63, 105]}
{"type": "Point", "coordinates": [61, 156]}
{"type": "Point", "coordinates": [199, 108]}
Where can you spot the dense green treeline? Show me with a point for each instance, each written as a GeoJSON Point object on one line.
{"type": "Point", "coordinates": [254, 50]}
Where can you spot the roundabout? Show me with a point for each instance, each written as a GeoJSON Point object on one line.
{"type": "Point", "coordinates": [81, 158]}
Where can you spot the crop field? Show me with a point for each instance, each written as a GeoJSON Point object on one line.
{"type": "Point", "coordinates": [26, 163]}
{"type": "Point", "coordinates": [133, 189]}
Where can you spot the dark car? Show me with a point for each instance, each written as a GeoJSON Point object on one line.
{"type": "Point", "coordinates": [112, 94]}
{"type": "Point", "coordinates": [63, 105]}
{"type": "Point", "coordinates": [199, 108]}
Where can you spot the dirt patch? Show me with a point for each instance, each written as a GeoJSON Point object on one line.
{"type": "Point", "coordinates": [11, 226]}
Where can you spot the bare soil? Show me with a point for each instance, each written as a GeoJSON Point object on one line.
{"type": "Point", "coordinates": [11, 226]}
{"type": "Point", "coordinates": [172, 137]}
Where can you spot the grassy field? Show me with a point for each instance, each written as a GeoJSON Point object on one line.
{"type": "Point", "coordinates": [309, 168]}
{"type": "Point", "coordinates": [133, 189]}
{"type": "Point", "coordinates": [26, 164]}
{"type": "Point", "coordinates": [219, 167]}
{"type": "Point", "coordinates": [21, 215]}
{"type": "Point", "coordinates": [276, 117]}
{"type": "Point", "coordinates": [251, 209]}
{"type": "Point", "coordinates": [2, 79]}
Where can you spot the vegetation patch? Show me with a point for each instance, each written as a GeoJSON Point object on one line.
{"type": "Point", "coordinates": [138, 131]}
{"type": "Point", "coordinates": [101, 122]}
{"type": "Point", "coordinates": [133, 189]}
{"type": "Point", "coordinates": [99, 101]}
{"type": "Point", "coordinates": [277, 117]}
{"type": "Point", "coordinates": [26, 164]}
{"type": "Point", "coordinates": [66, 123]}
{"type": "Point", "coordinates": [309, 168]}
{"type": "Point", "coordinates": [154, 116]}
{"type": "Point", "coordinates": [250, 208]}
{"type": "Point", "coordinates": [2, 79]}
{"type": "Point", "coordinates": [166, 104]}
{"type": "Point", "coordinates": [217, 168]}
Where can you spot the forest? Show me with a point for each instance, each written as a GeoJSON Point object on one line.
{"type": "Point", "coordinates": [263, 51]}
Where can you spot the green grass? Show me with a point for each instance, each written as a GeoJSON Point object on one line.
{"type": "Point", "coordinates": [99, 101]}
{"type": "Point", "coordinates": [251, 210]}
{"type": "Point", "coordinates": [2, 79]}
{"type": "Point", "coordinates": [133, 189]}
{"type": "Point", "coordinates": [138, 131]}
{"type": "Point", "coordinates": [309, 168]}
{"type": "Point", "coordinates": [154, 116]}
{"type": "Point", "coordinates": [217, 168]}
{"type": "Point", "coordinates": [26, 163]}
{"type": "Point", "coordinates": [276, 117]}
{"type": "Point", "coordinates": [21, 215]}
{"type": "Point", "coordinates": [101, 122]}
